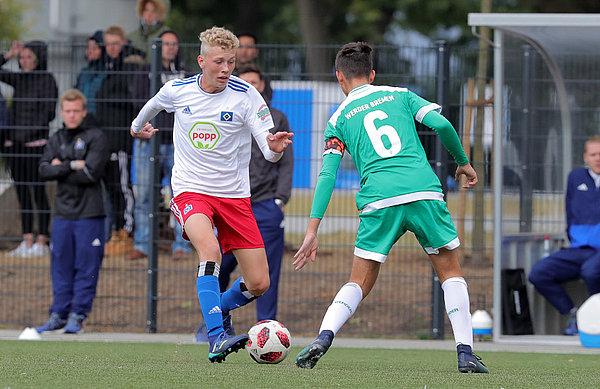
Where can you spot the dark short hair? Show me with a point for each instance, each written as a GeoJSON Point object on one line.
{"type": "Point", "coordinates": [355, 60]}
{"type": "Point", "coordinates": [249, 68]}
{"type": "Point", "coordinates": [246, 33]}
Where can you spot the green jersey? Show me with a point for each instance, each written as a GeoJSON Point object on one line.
{"type": "Point", "coordinates": [376, 125]}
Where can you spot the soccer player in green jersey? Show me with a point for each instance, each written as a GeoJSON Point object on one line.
{"type": "Point", "coordinates": [399, 192]}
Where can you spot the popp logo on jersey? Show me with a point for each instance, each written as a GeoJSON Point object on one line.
{"type": "Point", "coordinates": [204, 136]}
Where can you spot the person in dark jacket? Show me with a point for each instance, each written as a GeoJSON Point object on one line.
{"type": "Point", "coordinates": [91, 76]}
{"type": "Point", "coordinates": [582, 258]}
{"type": "Point", "coordinates": [22, 143]}
{"type": "Point", "coordinates": [171, 69]}
{"type": "Point", "coordinates": [76, 157]}
{"type": "Point", "coordinates": [270, 190]}
{"type": "Point", "coordinates": [114, 107]}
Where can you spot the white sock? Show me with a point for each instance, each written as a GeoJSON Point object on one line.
{"type": "Point", "coordinates": [456, 297]}
{"type": "Point", "coordinates": [342, 308]}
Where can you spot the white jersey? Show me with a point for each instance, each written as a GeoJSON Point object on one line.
{"type": "Point", "coordinates": [211, 135]}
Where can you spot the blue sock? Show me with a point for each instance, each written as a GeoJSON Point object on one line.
{"type": "Point", "coordinates": [236, 296]}
{"type": "Point", "coordinates": [207, 286]}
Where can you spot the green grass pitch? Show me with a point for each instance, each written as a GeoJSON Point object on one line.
{"type": "Point", "coordinates": [44, 364]}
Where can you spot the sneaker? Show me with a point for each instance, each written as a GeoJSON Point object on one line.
{"type": "Point", "coordinates": [22, 251]}
{"type": "Point", "coordinates": [39, 250]}
{"type": "Point", "coordinates": [120, 244]}
{"type": "Point", "coordinates": [136, 254]}
{"type": "Point", "coordinates": [225, 345]}
{"type": "Point", "coordinates": [74, 323]}
{"type": "Point", "coordinates": [55, 322]}
{"type": "Point", "coordinates": [308, 358]}
{"type": "Point", "coordinates": [468, 362]}
{"type": "Point", "coordinates": [202, 331]}
{"type": "Point", "coordinates": [571, 328]}
{"type": "Point", "coordinates": [227, 325]}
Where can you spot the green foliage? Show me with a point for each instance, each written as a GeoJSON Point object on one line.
{"type": "Point", "coordinates": [276, 21]}
{"type": "Point", "coordinates": [43, 364]}
{"type": "Point", "coordinates": [11, 19]}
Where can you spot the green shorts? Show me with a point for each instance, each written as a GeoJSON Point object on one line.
{"type": "Point", "coordinates": [429, 220]}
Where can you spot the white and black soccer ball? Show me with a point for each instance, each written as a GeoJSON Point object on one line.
{"type": "Point", "coordinates": [269, 342]}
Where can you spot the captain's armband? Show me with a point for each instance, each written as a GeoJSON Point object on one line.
{"type": "Point", "coordinates": [334, 146]}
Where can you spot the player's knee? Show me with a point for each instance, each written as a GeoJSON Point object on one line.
{"type": "Point", "coordinates": [209, 251]}
{"type": "Point", "coordinates": [538, 275]}
{"type": "Point", "coordinates": [258, 287]}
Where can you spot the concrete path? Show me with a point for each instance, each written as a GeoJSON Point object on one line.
{"type": "Point", "coordinates": [536, 344]}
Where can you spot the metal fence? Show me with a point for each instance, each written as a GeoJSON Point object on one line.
{"type": "Point", "coordinates": [159, 294]}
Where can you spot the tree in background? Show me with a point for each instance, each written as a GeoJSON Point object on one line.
{"type": "Point", "coordinates": [11, 16]}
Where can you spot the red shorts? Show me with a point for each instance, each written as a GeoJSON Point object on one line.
{"type": "Point", "coordinates": [233, 218]}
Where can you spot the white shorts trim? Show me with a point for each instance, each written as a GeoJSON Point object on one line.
{"type": "Point", "coordinates": [377, 257]}
{"type": "Point", "coordinates": [454, 243]}
{"type": "Point", "coordinates": [402, 199]}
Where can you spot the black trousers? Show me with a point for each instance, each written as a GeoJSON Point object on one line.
{"type": "Point", "coordinates": [23, 164]}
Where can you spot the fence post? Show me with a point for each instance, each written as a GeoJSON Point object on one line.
{"type": "Point", "coordinates": [151, 315]}
{"type": "Point", "coordinates": [526, 187]}
{"type": "Point", "coordinates": [442, 75]}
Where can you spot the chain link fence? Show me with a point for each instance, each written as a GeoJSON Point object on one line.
{"type": "Point", "coordinates": [141, 295]}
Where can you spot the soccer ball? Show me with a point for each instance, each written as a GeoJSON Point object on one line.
{"type": "Point", "coordinates": [269, 342]}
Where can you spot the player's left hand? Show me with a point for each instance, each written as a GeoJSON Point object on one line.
{"type": "Point", "coordinates": [146, 133]}
{"type": "Point", "coordinates": [470, 173]}
{"type": "Point", "coordinates": [307, 251]}
{"type": "Point", "coordinates": [279, 141]}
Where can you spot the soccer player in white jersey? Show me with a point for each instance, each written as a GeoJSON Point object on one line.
{"type": "Point", "coordinates": [399, 192]}
{"type": "Point", "coordinates": [215, 116]}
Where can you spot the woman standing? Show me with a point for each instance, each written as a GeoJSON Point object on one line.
{"type": "Point", "coordinates": [33, 107]}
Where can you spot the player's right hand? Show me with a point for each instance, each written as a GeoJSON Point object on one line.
{"type": "Point", "coordinates": [146, 133]}
{"type": "Point", "coordinates": [307, 251]}
{"type": "Point", "coordinates": [468, 171]}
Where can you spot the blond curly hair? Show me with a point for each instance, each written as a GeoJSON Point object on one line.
{"type": "Point", "coordinates": [218, 37]}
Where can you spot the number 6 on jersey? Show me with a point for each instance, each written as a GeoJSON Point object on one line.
{"type": "Point", "coordinates": [376, 134]}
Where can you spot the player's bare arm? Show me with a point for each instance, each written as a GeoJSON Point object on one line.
{"type": "Point", "coordinates": [145, 133]}
{"type": "Point", "coordinates": [309, 247]}
{"type": "Point", "coordinates": [470, 173]}
{"type": "Point", "coordinates": [279, 141]}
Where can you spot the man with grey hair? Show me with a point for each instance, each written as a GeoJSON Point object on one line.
{"type": "Point", "coordinates": [216, 116]}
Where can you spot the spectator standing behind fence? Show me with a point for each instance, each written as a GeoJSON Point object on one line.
{"type": "Point", "coordinates": [247, 54]}
{"type": "Point", "coordinates": [171, 69]}
{"type": "Point", "coordinates": [33, 107]}
{"type": "Point", "coordinates": [114, 105]}
{"type": "Point", "coordinates": [76, 157]}
{"type": "Point", "coordinates": [91, 76]}
{"type": "Point", "coordinates": [582, 258]}
{"type": "Point", "coordinates": [3, 114]}
{"type": "Point", "coordinates": [399, 192]}
{"type": "Point", "coordinates": [216, 116]}
{"type": "Point", "coordinates": [270, 190]}
{"type": "Point", "coordinates": [152, 15]}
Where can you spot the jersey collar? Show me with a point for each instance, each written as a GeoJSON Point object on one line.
{"type": "Point", "coordinates": [358, 89]}
{"type": "Point", "coordinates": [595, 177]}
{"type": "Point", "coordinates": [199, 83]}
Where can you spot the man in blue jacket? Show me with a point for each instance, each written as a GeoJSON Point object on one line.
{"type": "Point", "coordinates": [582, 258]}
{"type": "Point", "coordinates": [76, 157]}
